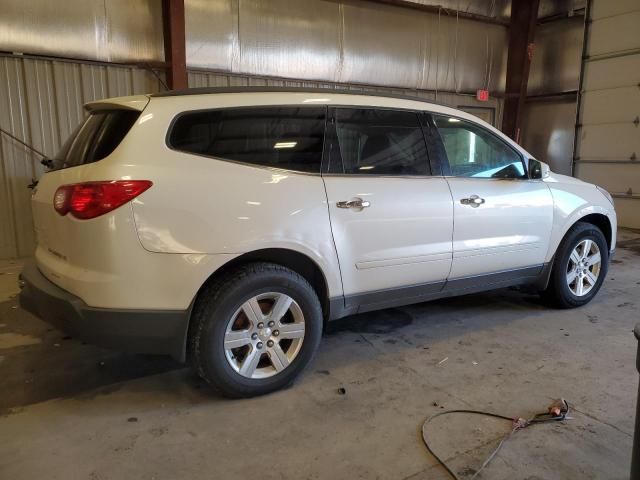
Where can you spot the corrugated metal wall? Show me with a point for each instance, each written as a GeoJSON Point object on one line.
{"type": "Point", "coordinates": [41, 102]}
{"type": "Point", "coordinates": [608, 146]}
{"type": "Point", "coordinates": [358, 44]}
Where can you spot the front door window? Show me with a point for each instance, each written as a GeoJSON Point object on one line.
{"type": "Point", "coordinates": [474, 152]}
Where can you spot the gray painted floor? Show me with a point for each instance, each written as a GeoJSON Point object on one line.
{"type": "Point", "coordinates": [69, 410]}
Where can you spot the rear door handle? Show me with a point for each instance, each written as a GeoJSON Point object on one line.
{"type": "Point", "coordinates": [473, 201]}
{"type": "Point", "coordinates": [356, 204]}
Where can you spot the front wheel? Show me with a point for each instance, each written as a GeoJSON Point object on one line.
{"type": "Point", "coordinates": [255, 329]}
{"type": "Point", "coordinates": [579, 268]}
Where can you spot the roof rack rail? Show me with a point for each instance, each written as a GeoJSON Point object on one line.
{"type": "Point", "coordinates": [217, 90]}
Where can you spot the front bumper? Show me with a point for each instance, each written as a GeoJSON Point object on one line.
{"type": "Point", "coordinates": [136, 331]}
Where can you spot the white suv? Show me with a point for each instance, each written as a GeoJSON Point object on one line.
{"type": "Point", "coordinates": [227, 226]}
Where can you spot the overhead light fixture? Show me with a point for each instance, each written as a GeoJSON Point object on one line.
{"type": "Point", "coordinates": [369, 167]}
{"type": "Point", "coordinates": [285, 144]}
{"type": "Point", "coordinates": [453, 120]}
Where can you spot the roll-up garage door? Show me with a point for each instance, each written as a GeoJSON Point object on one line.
{"type": "Point", "coordinates": [608, 134]}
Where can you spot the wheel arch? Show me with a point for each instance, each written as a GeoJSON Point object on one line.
{"type": "Point", "coordinates": [601, 221]}
{"type": "Point", "coordinates": [598, 219]}
{"type": "Point", "coordinates": [292, 259]}
{"type": "Point", "coordinates": [594, 215]}
{"type": "Point", "coordinates": [554, 285]}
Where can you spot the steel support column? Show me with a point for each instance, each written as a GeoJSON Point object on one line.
{"type": "Point", "coordinates": [524, 16]}
{"type": "Point", "coordinates": [174, 43]}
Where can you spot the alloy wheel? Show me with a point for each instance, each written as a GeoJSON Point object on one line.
{"type": "Point", "coordinates": [583, 268]}
{"type": "Point", "coordinates": [264, 335]}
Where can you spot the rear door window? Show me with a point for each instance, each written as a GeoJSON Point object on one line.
{"type": "Point", "coordinates": [96, 138]}
{"type": "Point", "coordinates": [378, 142]}
{"type": "Point", "coordinates": [290, 138]}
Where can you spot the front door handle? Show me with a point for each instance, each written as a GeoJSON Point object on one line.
{"type": "Point", "coordinates": [473, 201]}
{"type": "Point", "coordinates": [356, 204]}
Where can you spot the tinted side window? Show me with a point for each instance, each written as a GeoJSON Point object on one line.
{"type": "Point", "coordinates": [284, 137]}
{"type": "Point", "coordinates": [382, 142]}
{"type": "Point", "coordinates": [474, 152]}
{"type": "Point", "coordinates": [96, 137]}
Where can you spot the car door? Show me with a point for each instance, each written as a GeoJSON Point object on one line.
{"type": "Point", "coordinates": [502, 219]}
{"type": "Point", "coordinates": [391, 220]}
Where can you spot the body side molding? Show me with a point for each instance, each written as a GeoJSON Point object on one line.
{"type": "Point", "coordinates": [364, 302]}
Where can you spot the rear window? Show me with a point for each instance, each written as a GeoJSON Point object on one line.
{"type": "Point", "coordinates": [283, 137]}
{"type": "Point", "coordinates": [96, 137]}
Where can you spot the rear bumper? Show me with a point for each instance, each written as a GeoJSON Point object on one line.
{"type": "Point", "coordinates": [136, 331]}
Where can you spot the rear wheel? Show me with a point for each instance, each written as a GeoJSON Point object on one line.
{"type": "Point", "coordinates": [579, 268]}
{"type": "Point", "coordinates": [255, 329]}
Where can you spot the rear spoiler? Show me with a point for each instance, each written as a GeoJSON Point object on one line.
{"type": "Point", "coordinates": [133, 102]}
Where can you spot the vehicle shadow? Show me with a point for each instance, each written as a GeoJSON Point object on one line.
{"type": "Point", "coordinates": [39, 363]}
{"type": "Point", "coordinates": [56, 366]}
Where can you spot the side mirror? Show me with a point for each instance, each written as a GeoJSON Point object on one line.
{"type": "Point", "coordinates": [538, 170]}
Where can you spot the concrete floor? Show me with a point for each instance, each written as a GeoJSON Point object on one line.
{"type": "Point", "coordinates": [69, 410]}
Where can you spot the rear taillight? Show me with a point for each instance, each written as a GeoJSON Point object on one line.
{"type": "Point", "coordinates": [92, 199]}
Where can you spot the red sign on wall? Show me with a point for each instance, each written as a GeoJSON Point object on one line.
{"type": "Point", "coordinates": [482, 95]}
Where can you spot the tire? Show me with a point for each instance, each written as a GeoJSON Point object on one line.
{"type": "Point", "coordinates": [559, 292]}
{"type": "Point", "coordinates": [223, 315]}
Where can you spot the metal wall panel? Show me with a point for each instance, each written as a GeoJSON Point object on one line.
{"type": "Point", "coordinates": [40, 103]}
{"type": "Point", "coordinates": [611, 105]}
{"type": "Point", "coordinates": [557, 57]}
{"type": "Point", "coordinates": [549, 125]}
{"type": "Point", "coordinates": [608, 140]}
{"type": "Point", "coordinates": [382, 45]}
{"type": "Point", "coordinates": [550, 8]}
{"type": "Point", "coordinates": [609, 8]}
{"type": "Point", "coordinates": [347, 42]}
{"type": "Point", "coordinates": [289, 38]}
{"type": "Point", "coordinates": [212, 33]}
{"type": "Point", "coordinates": [548, 132]}
{"type": "Point", "coordinates": [107, 30]}
{"type": "Point", "coordinates": [617, 178]}
{"type": "Point", "coordinates": [627, 211]}
{"type": "Point", "coordinates": [17, 166]}
{"type": "Point", "coordinates": [614, 34]}
{"type": "Point", "coordinates": [612, 72]}
{"type": "Point", "coordinates": [134, 30]}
